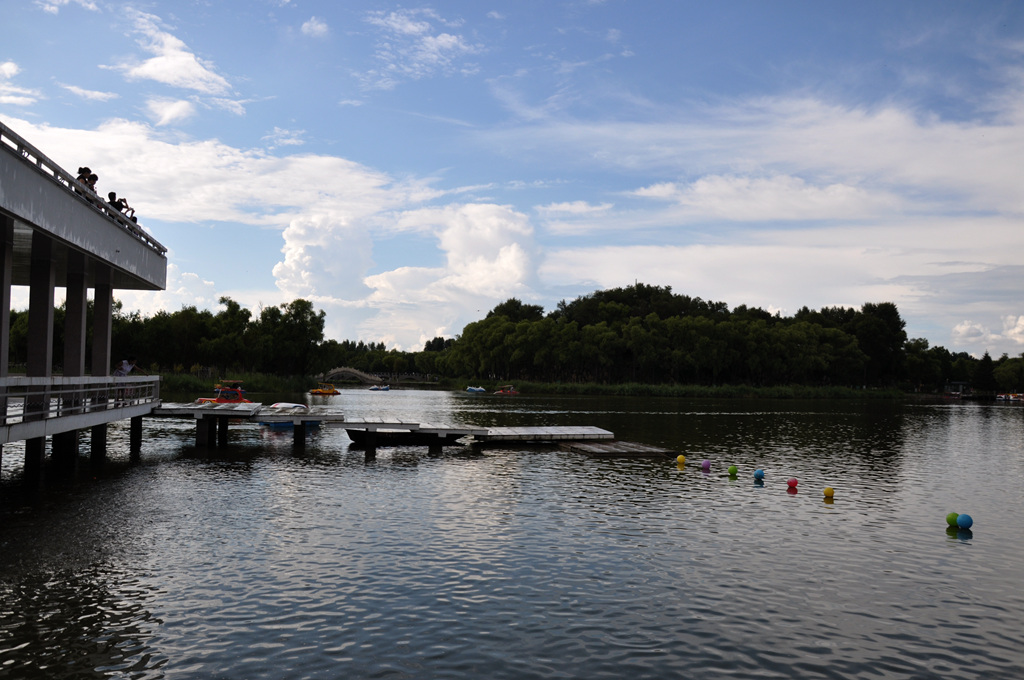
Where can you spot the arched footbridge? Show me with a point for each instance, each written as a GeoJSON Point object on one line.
{"type": "Point", "coordinates": [347, 373]}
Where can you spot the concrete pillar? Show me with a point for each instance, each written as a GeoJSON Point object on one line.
{"type": "Point", "coordinates": [65, 444]}
{"type": "Point", "coordinates": [135, 438]}
{"type": "Point", "coordinates": [74, 318]}
{"type": "Point", "coordinates": [6, 267]}
{"type": "Point", "coordinates": [42, 281]}
{"type": "Point", "coordinates": [102, 323]}
{"type": "Point", "coordinates": [102, 320]}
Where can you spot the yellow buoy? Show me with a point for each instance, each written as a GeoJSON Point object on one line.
{"type": "Point", "coordinates": [680, 458]}
{"type": "Point", "coordinates": [829, 492]}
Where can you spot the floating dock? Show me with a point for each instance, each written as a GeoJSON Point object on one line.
{"type": "Point", "coordinates": [369, 433]}
{"type": "Point", "coordinates": [551, 433]}
{"type": "Point", "coordinates": [616, 448]}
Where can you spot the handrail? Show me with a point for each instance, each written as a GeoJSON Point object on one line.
{"type": "Point", "coordinates": [40, 398]}
{"type": "Point", "coordinates": [46, 167]}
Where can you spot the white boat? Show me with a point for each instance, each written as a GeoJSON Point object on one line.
{"type": "Point", "coordinates": [380, 388]}
{"type": "Point", "coordinates": [292, 409]}
{"type": "Point", "coordinates": [475, 390]}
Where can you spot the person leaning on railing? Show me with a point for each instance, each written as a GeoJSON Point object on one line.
{"type": "Point", "coordinates": [126, 394]}
{"type": "Point", "coordinates": [121, 205]}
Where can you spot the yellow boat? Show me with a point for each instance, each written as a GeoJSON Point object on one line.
{"type": "Point", "coordinates": [324, 388]}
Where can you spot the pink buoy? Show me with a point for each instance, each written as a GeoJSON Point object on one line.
{"type": "Point", "coordinates": [792, 481]}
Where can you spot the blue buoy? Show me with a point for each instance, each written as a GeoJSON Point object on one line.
{"type": "Point", "coordinates": [758, 474]}
{"type": "Point", "coordinates": [964, 521]}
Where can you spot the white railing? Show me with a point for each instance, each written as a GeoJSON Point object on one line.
{"type": "Point", "coordinates": [36, 399]}
{"type": "Point", "coordinates": [79, 191]}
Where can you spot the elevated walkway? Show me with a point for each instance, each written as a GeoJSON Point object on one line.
{"type": "Point", "coordinates": [40, 407]}
{"type": "Point", "coordinates": [43, 199]}
{"type": "Point", "coordinates": [56, 232]}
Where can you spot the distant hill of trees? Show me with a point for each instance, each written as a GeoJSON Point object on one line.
{"type": "Point", "coordinates": [637, 334]}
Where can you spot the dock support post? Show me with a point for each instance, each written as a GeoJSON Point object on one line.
{"type": "Point", "coordinates": [35, 458]}
{"type": "Point", "coordinates": [206, 427]}
{"type": "Point", "coordinates": [64, 447]}
{"type": "Point", "coordinates": [371, 443]}
{"type": "Point", "coordinates": [299, 441]}
{"type": "Point", "coordinates": [98, 444]}
{"type": "Point", "coordinates": [135, 438]}
{"type": "Point", "coordinates": [222, 432]}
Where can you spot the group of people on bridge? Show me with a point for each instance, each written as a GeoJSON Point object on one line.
{"type": "Point", "coordinates": [117, 205]}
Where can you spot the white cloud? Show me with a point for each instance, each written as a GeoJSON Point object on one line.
{"type": "Point", "coordinates": [173, 64]}
{"type": "Point", "coordinates": [573, 208]}
{"type": "Point", "coordinates": [490, 256]}
{"type": "Point", "coordinates": [282, 137]}
{"type": "Point", "coordinates": [183, 289]}
{"type": "Point", "coordinates": [53, 6]}
{"type": "Point", "coordinates": [939, 164]}
{"type": "Point", "coordinates": [167, 111]}
{"type": "Point", "coordinates": [325, 257]}
{"type": "Point", "coordinates": [91, 95]}
{"type": "Point", "coordinates": [412, 48]}
{"type": "Point", "coordinates": [12, 94]}
{"type": "Point", "coordinates": [770, 198]}
{"type": "Point", "coordinates": [315, 28]}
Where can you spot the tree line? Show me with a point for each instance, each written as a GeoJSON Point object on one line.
{"type": "Point", "coordinates": [636, 334]}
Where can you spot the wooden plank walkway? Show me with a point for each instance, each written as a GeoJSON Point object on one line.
{"type": "Point", "coordinates": [212, 419]}
{"type": "Point", "coordinates": [242, 410]}
{"type": "Point", "coordinates": [545, 434]}
{"type": "Point", "coordinates": [616, 448]}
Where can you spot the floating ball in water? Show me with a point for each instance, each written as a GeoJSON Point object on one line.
{"type": "Point", "coordinates": [706, 464]}
{"type": "Point", "coordinates": [951, 519]}
{"type": "Point", "coordinates": [733, 470]}
{"type": "Point", "coordinates": [758, 474]}
{"type": "Point", "coordinates": [680, 458]}
{"type": "Point", "coordinates": [964, 521]}
{"type": "Point", "coordinates": [792, 482]}
{"type": "Point", "coordinates": [829, 492]}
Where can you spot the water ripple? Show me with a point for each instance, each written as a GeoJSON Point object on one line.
{"type": "Point", "coordinates": [529, 562]}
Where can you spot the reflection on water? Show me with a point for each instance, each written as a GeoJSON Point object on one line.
{"type": "Point", "coordinates": [262, 562]}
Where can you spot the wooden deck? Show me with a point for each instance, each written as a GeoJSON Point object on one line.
{"type": "Point", "coordinates": [212, 419]}
{"type": "Point", "coordinates": [552, 433]}
{"type": "Point", "coordinates": [616, 448]}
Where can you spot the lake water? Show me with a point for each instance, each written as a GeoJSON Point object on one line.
{"type": "Point", "coordinates": [528, 562]}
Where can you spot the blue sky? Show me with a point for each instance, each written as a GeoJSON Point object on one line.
{"type": "Point", "coordinates": [408, 166]}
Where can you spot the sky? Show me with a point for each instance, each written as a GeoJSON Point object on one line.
{"type": "Point", "coordinates": [406, 167]}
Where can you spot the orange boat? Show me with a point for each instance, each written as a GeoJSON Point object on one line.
{"type": "Point", "coordinates": [506, 389]}
{"type": "Point", "coordinates": [228, 392]}
{"type": "Point", "coordinates": [324, 388]}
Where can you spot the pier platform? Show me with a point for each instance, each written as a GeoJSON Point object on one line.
{"type": "Point", "coordinates": [370, 433]}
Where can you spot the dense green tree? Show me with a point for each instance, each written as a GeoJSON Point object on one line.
{"type": "Point", "coordinates": [639, 333]}
{"type": "Point", "coordinates": [984, 375]}
{"type": "Point", "coordinates": [515, 311]}
{"type": "Point", "coordinates": [1009, 375]}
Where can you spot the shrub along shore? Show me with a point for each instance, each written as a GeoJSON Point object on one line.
{"type": "Point", "coordinates": [184, 383]}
